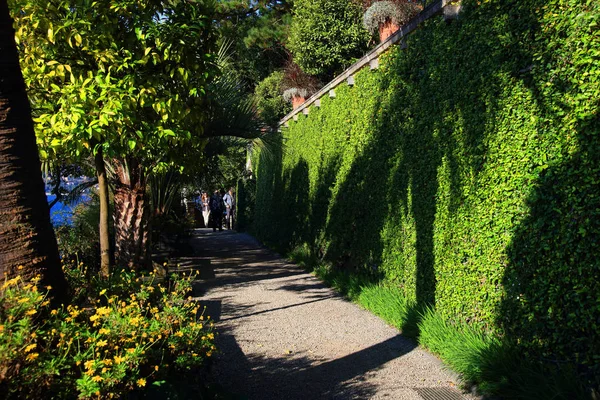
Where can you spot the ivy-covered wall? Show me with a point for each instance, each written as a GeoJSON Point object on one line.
{"type": "Point", "coordinates": [466, 170]}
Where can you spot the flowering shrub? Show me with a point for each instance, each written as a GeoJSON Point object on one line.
{"type": "Point", "coordinates": [397, 12]}
{"type": "Point", "coordinates": [122, 337]}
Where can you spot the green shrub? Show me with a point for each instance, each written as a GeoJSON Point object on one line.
{"type": "Point", "coordinates": [465, 172]}
{"type": "Point", "coordinates": [118, 336]}
{"type": "Point", "coordinates": [269, 101]}
{"type": "Point", "coordinates": [326, 35]}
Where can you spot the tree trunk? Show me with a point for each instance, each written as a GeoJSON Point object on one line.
{"type": "Point", "coordinates": [105, 255]}
{"type": "Point", "coordinates": [27, 239]}
{"type": "Point", "coordinates": [132, 236]}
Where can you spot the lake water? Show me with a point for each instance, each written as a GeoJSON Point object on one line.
{"type": "Point", "coordinates": [60, 214]}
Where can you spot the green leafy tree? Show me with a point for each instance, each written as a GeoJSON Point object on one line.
{"type": "Point", "coordinates": [259, 31]}
{"type": "Point", "coordinates": [122, 82]}
{"type": "Point", "coordinates": [326, 36]}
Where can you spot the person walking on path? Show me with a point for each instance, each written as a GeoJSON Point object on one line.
{"type": "Point", "coordinates": [205, 208]}
{"type": "Point", "coordinates": [229, 206]}
{"type": "Point", "coordinates": [216, 211]}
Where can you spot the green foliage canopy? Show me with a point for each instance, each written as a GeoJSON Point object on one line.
{"type": "Point", "coordinates": [326, 36]}
{"type": "Point", "coordinates": [259, 31]}
{"type": "Point", "coordinates": [129, 76]}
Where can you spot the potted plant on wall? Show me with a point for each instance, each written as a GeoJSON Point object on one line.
{"type": "Point", "coordinates": [296, 96]}
{"type": "Point", "coordinates": [386, 17]}
{"type": "Point", "coordinates": [297, 85]}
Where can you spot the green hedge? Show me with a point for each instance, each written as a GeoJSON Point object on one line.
{"type": "Point", "coordinates": [466, 170]}
{"type": "Point", "coordinates": [244, 204]}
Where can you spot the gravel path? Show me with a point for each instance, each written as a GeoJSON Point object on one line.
{"type": "Point", "coordinates": [285, 335]}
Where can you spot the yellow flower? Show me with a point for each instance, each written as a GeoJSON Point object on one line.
{"type": "Point", "coordinates": [88, 364]}
{"type": "Point", "coordinates": [102, 292]}
{"type": "Point", "coordinates": [141, 382]}
{"type": "Point", "coordinates": [1, 328]}
{"type": "Point", "coordinates": [32, 356]}
{"type": "Point", "coordinates": [78, 363]}
{"type": "Point", "coordinates": [12, 281]}
{"type": "Point", "coordinates": [97, 378]}
{"type": "Point", "coordinates": [30, 347]}
{"type": "Point", "coordinates": [101, 343]}
{"type": "Point", "coordinates": [48, 287]}
{"type": "Point", "coordinates": [209, 354]}
{"type": "Point", "coordinates": [131, 350]}
{"type": "Point", "coordinates": [108, 361]}
{"type": "Point", "coordinates": [20, 267]}
{"type": "Point", "coordinates": [31, 312]}
{"type": "Point", "coordinates": [94, 317]}
{"type": "Point", "coordinates": [156, 367]}
{"type": "Point", "coordinates": [54, 312]}
{"type": "Point", "coordinates": [179, 333]}
{"type": "Point", "coordinates": [103, 331]}
{"type": "Point", "coordinates": [23, 300]}
{"type": "Point", "coordinates": [119, 360]}
{"type": "Point", "coordinates": [211, 336]}
{"type": "Point", "coordinates": [103, 311]}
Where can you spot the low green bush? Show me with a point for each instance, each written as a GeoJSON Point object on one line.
{"type": "Point", "coordinates": [118, 337]}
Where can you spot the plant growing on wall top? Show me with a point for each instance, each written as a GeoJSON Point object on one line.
{"type": "Point", "coordinates": [395, 13]}
{"type": "Point", "coordinates": [297, 85]}
{"type": "Point", "coordinates": [290, 93]}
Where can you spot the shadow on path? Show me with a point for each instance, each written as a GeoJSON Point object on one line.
{"type": "Point", "coordinates": [282, 334]}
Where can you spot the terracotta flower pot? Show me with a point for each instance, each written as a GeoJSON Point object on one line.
{"type": "Point", "coordinates": [387, 29]}
{"type": "Point", "coordinates": [297, 101]}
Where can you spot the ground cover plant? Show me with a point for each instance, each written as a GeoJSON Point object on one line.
{"type": "Point", "coordinates": [117, 338]}
{"type": "Point", "coordinates": [487, 364]}
{"type": "Point", "coordinates": [468, 183]}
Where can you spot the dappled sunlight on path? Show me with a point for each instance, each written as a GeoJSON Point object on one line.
{"type": "Point", "coordinates": [285, 335]}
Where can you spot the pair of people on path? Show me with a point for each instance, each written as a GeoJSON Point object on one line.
{"type": "Point", "coordinates": [217, 205]}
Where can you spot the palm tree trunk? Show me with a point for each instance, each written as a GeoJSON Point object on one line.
{"type": "Point", "coordinates": [105, 256]}
{"type": "Point", "coordinates": [27, 242]}
{"type": "Point", "coordinates": [132, 236]}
